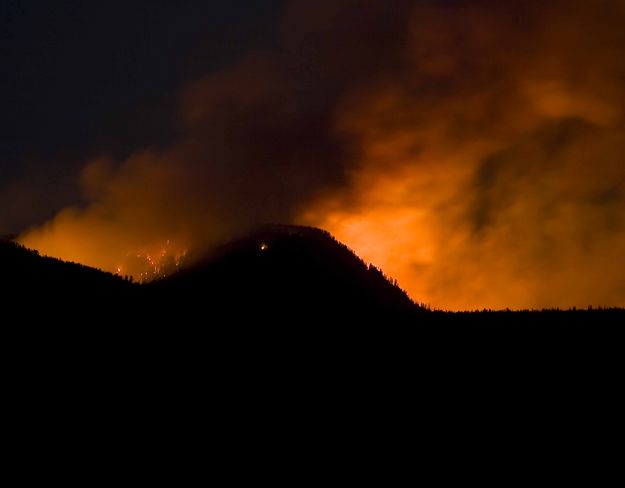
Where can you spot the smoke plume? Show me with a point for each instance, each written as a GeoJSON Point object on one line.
{"type": "Point", "coordinates": [473, 150]}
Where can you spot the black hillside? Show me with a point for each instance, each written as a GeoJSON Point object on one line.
{"type": "Point", "coordinates": [286, 272]}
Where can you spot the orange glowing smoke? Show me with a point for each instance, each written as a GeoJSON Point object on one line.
{"type": "Point", "coordinates": [127, 229]}
{"type": "Point", "coordinates": [489, 171]}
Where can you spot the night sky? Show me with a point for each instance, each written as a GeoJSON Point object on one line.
{"type": "Point", "coordinates": [81, 78]}
{"type": "Point", "coordinates": [475, 150]}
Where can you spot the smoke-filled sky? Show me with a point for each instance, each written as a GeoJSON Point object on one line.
{"type": "Point", "coordinates": [475, 150]}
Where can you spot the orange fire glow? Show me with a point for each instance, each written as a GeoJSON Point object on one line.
{"type": "Point", "coordinates": [146, 266]}
{"type": "Point", "coordinates": [488, 171]}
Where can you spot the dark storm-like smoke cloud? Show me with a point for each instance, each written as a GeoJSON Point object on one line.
{"type": "Point", "coordinates": [475, 150]}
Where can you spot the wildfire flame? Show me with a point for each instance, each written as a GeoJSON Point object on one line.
{"type": "Point", "coordinates": [148, 265]}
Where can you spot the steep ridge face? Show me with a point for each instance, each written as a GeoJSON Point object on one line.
{"type": "Point", "coordinates": [287, 270]}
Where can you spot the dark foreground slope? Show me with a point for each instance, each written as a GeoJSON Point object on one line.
{"type": "Point", "coordinates": [39, 284]}
{"type": "Point", "coordinates": [195, 356]}
{"type": "Point", "coordinates": [253, 323]}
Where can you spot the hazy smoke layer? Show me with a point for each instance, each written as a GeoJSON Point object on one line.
{"type": "Point", "coordinates": [474, 150]}
{"type": "Point", "coordinates": [491, 164]}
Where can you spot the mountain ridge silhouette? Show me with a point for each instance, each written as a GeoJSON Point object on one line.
{"type": "Point", "coordinates": [280, 274]}
{"type": "Point", "coordinates": [275, 272]}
